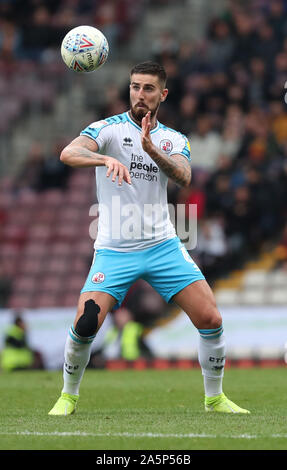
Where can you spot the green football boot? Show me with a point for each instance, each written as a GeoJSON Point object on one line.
{"type": "Point", "coordinates": [221, 404]}
{"type": "Point", "coordinates": [65, 405]}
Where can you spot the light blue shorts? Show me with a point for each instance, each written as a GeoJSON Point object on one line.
{"type": "Point", "coordinates": [167, 267]}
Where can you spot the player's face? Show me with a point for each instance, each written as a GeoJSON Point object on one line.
{"type": "Point", "coordinates": [146, 94]}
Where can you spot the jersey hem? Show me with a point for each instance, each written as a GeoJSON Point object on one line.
{"type": "Point", "coordinates": [132, 249]}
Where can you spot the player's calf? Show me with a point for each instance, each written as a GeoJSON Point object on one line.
{"type": "Point", "coordinates": [77, 356]}
{"type": "Point", "coordinates": [211, 355]}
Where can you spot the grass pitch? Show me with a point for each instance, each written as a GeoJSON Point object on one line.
{"type": "Point", "coordinates": [143, 410]}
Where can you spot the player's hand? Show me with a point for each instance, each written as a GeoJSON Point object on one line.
{"type": "Point", "coordinates": [147, 144]}
{"type": "Point", "coordinates": [118, 170]}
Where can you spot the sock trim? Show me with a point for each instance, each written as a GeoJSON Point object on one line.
{"type": "Point", "coordinates": [211, 333]}
{"type": "Point", "coordinates": [80, 339]}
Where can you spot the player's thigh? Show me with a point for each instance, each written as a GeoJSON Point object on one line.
{"type": "Point", "coordinates": [198, 301]}
{"type": "Point", "coordinates": [113, 273]}
{"type": "Point", "coordinates": [105, 301]}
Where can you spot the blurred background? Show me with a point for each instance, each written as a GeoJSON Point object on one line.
{"type": "Point", "coordinates": [227, 66]}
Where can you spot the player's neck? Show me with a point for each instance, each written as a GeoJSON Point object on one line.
{"type": "Point", "coordinates": [139, 123]}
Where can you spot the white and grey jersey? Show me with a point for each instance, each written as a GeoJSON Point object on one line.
{"type": "Point", "coordinates": [136, 216]}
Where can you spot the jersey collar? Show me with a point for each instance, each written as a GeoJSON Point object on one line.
{"type": "Point", "coordinates": [130, 119]}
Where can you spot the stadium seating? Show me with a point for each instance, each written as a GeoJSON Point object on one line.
{"type": "Point", "coordinates": [46, 232]}
{"type": "Point", "coordinates": [255, 285]}
{"type": "Point", "coordinates": [45, 244]}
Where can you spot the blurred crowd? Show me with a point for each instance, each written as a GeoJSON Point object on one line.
{"type": "Point", "coordinates": [30, 28]}
{"type": "Point", "coordinates": [31, 70]}
{"type": "Point", "coordinates": [226, 93]}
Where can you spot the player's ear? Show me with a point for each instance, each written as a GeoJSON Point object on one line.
{"type": "Point", "coordinates": [164, 94]}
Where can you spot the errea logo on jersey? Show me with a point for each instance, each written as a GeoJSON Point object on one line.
{"type": "Point", "coordinates": [127, 141]}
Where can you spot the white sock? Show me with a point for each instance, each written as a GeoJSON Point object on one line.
{"type": "Point", "coordinates": [211, 355]}
{"type": "Point", "coordinates": [212, 386]}
{"type": "Point", "coordinates": [77, 356]}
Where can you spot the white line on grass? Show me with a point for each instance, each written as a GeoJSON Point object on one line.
{"type": "Point", "coordinates": [141, 435]}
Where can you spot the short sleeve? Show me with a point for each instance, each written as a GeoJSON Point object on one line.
{"type": "Point", "coordinates": [181, 146]}
{"type": "Point", "coordinates": [98, 131]}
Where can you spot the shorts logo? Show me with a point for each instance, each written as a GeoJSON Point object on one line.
{"type": "Point", "coordinates": [98, 277]}
{"type": "Point", "coordinates": [166, 146]}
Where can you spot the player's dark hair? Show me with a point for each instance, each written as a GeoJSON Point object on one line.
{"type": "Point", "coordinates": [151, 68]}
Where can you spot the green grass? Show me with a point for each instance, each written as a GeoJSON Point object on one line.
{"type": "Point", "coordinates": [118, 409]}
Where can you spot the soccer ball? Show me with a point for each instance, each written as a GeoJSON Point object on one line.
{"type": "Point", "coordinates": [84, 49]}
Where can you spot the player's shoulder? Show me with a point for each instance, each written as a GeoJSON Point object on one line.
{"type": "Point", "coordinates": [173, 132]}
{"type": "Point", "coordinates": [102, 126]}
{"type": "Point", "coordinates": [108, 121]}
{"type": "Point", "coordinates": [173, 141]}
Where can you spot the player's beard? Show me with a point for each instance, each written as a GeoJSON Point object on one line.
{"type": "Point", "coordinates": [139, 112]}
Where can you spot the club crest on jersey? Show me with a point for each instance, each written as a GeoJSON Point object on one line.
{"type": "Point", "coordinates": [166, 146]}
{"type": "Point", "coordinates": [98, 277]}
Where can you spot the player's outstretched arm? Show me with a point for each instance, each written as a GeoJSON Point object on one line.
{"type": "Point", "coordinates": [176, 167]}
{"type": "Point", "coordinates": [82, 153]}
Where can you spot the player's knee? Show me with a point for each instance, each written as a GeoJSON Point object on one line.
{"type": "Point", "coordinates": [88, 323]}
{"type": "Point", "coordinates": [211, 318]}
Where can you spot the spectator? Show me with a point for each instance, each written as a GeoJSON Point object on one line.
{"type": "Point", "coordinates": [124, 339]}
{"type": "Point", "coordinates": [187, 113]}
{"type": "Point", "coordinates": [53, 174]}
{"type": "Point", "coordinates": [206, 145]}
{"type": "Point", "coordinates": [259, 79]}
{"type": "Point", "coordinates": [266, 202]}
{"type": "Point", "coordinates": [16, 354]}
{"type": "Point", "coordinates": [165, 46]}
{"type": "Point", "coordinates": [29, 175]}
{"type": "Point", "coordinates": [105, 17]}
{"type": "Point", "coordinates": [243, 221]}
{"type": "Point", "coordinates": [187, 59]}
{"type": "Point", "coordinates": [278, 79]}
{"type": "Point", "coordinates": [174, 82]}
{"type": "Point", "coordinates": [145, 303]}
{"type": "Point", "coordinates": [219, 193]}
{"type": "Point", "coordinates": [215, 100]}
{"type": "Point", "coordinates": [232, 132]}
{"type": "Point", "coordinates": [244, 37]}
{"type": "Point", "coordinates": [37, 36]}
{"type": "Point", "coordinates": [265, 45]}
{"type": "Point", "coordinates": [5, 285]}
{"type": "Point", "coordinates": [278, 117]}
{"type": "Point", "coordinates": [221, 44]}
{"type": "Point", "coordinates": [9, 39]}
{"type": "Point", "coordinates": [212, 247]}
{"type": "Point", "coordinates": [277, 18]}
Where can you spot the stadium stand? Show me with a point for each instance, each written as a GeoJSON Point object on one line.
{"type": "Point", "coordinates": [226, 84]}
